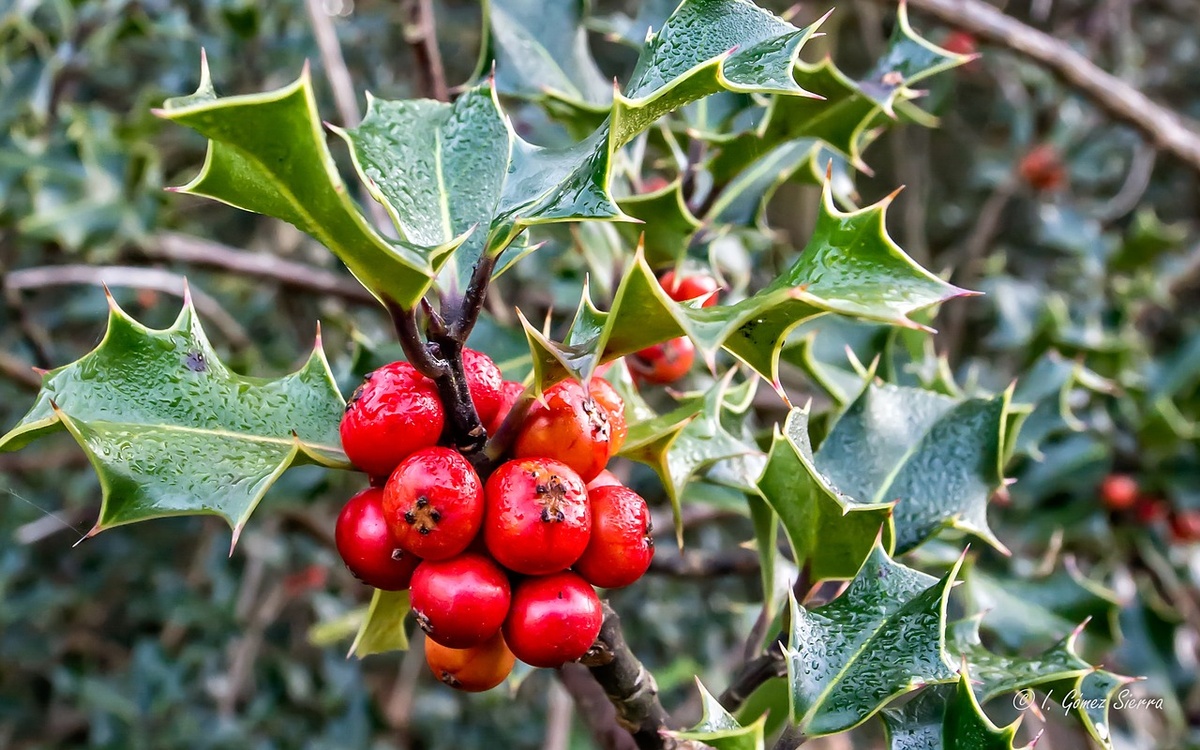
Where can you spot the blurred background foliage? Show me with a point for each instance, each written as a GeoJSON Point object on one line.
{"type": "Point", "coordinates": [152, 636]}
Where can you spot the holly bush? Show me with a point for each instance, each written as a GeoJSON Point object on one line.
{"type": "Point", "coordinates": [862, 528]}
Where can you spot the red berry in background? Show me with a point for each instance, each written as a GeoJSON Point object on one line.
{"type": "Point", "coordinates": [473, 669]}
{"type": "Point", "coordinates": [484, 381]}
{"type": "Point", "coordinates": [621, 546]}
{"type": "Point", "coordinates": [460, 602]}
{"type": "Point", "coordinates": [604, 479]}
{"type": "Point", "coordinates": [1149, 510]}
{"type": "Point", "coordinates": [663, 363]}
{"type": "Point", "coordinates": [537, 519]}
{"type": "Point", "coordinates": [1185, 526]}
{"type": "Point", "coordinates": [554, 619]}
{"type": "Point", "coordinates": [394, 413]}
{"type": "Point", "coordinates": [367, 547]}
{"type": "Point", "coordinates": [1119, 492]}
{"type": "Point", "coordinates": [433, 503]}
{"type": "Point", "coordinates": [960, 43]}
{"type": "Point", "coordinates": [569, 427]}
{"type": "Point", "coordinates": [510, 393]}
{"type": "Point", "coordinates": [654, 183]}
{"type": "Point", "coordinates": [684, 288]}
{"type": "Point", "coordinates": [604, 394]}
{"type": "Point", "coordinates": [1042, 168]}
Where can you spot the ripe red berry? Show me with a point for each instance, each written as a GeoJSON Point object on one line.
{"type": "Point", "coordinates": [1149, 510]}
{"type": "Point", "coordinates": [394, 413]}
{"type": "Point", "coordinates": [537, 519]}
{"type": "Point", "coordinates": [433, 503]}
{"type": "Point", "coordinates": [654, 183]}
{"type": "Point", "coordinates": [960, 43]}
{"type": "Point", "coordinates": [471, 670]}
{"type": "Point", "coordinates": [554, 619]}
{"type": "Point", "coordinates": [604, 479]}
{"type": "Point", "coordinates": [1042, 168]}
{"type": "Point", "coordinates": [621, 545]}
{"type": "Point", "coordinates": [604, 394]}
{"type": "Point", "coordinates": [510, 393]}
{"type": "Point", "coordinates": [569, 427]}
{"type": "Point", "coordinates": [683, 288]}
{"type": "Point", "coordinates": [1185, 526]}
{"type": "Point", "coordinates": [460, 602]}
{"type": "Point", "coordinates": [1119, 492]}
{"type": "Point", "coordinates": [483, 381]}
{"type": "Point", "coordinates": [367, 547]}
{"type": "Point", "coordinates": [663, 363]}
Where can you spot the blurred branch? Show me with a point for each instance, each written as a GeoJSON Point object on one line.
{"type": "Point", "coordinates": [129, 276]}
{"type": "Point", "coordinates": [558, 719]}
{"type": "Point", "coordinates": [703, 564]}
{"type": "Point", "coordinates": [19, 371]}
{"type": "Point", "coordinates": [196, 251]}
{"type": "Point", "coordinates": [1141, 166]}
{"type": "Point", "coordinates": [1164, 127]}
{"type": "Point", "coordinates": [421, 34]}
{"type": "Point", "coordinates": [593, 707]}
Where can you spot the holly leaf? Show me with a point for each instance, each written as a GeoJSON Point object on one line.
{"type": "Point", "coordinates": [667, 224]}
{"type": "Point", "coordinates": [947, 717]}
{"type": "Point", "coordinates": [936, 458]}
{"type": "Point", "coordinates": [267, 154]}
{"type": "Point", "coordinates": [1088, 697]}
{"type": "Point", "coordinates": [835, 352]}
{"type": "Point", "coordinates": [996, 674]}
{"type": "Point", "coordinates": [883, 637]}
{"type": "Point", "coordinates": [850, 267]}
{"type": "Point", "coordinates": [382, 628]}
{"type": "Point", "coordinates": [719, 729]}
{"type": "Point", "coordinates": [448, 170]}
{"type": "Point", "coordinates": [171, 431]}
{"type": "Point", "coordinates": [828, 531]}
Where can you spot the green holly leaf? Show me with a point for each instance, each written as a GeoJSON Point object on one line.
{"type": "Point", "coordinates": [1088, 697]}
{"type": "Point", "coordinates": [850, 267]}
{"type": "Point", "coordinates": [171, 431]}
{"type": "Point", "coordinates": [448, 170]}
{"type": "Point", "coordinates": [267, 154]}
{"type": "Point", "coordinates": [382, 627]}
{"type": "Point", "coordinates": [719, 729]}
{"type": "Point", "coordinates": [668, 224]}
{"type": "Point", "coordinates": [947, 717]}
{"type": "Point", "coordinates": [828, 531]}
{"type": "Point", "coordinates": [883, 637]}
{"type": "Point", "coordinates": [836, 353]}
{"type": "Point", "coordinates": [996, 674]}
{"type": "Point", "coordinates": [938, 459]}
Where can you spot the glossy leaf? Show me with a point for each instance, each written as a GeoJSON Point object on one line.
{"type": "Point", "coordinates": [937, 459]}
{"type": "Point", "coordinates": [267, 154]}
{"type": "Point", "coordinates": [946, 717]}
{"type": "Point", "coordinates": [828, 531]}
{"type": "Point", "coordinates": [883, 637]}
{"type": "Point", "coordinates": [993, 674]}
{"type": "Point", "coordinates": [1088, 697]}
{"type": "Point", "coordinates": [382, 628]}
{"type": "Point", "coordinates": [668, 225]}
{"type": "Point", "coordinates": [719, 729]}
{"type": "Point", "coordinates": [172, 431]}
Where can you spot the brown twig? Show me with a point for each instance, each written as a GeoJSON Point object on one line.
{"type": "Point", "coordinates": [594, 708]}
{"type": "Point", "coordinates": [706, 564]}
{"type": "Point", "coordinates": [421, 34]}
{"type": "Point", "coordinates": [558, 719]}
{"type": "Point", "coordinates": [130, 276]}
{"type": "Point", "coordinates": [629, 686]}
{"type": "Point", "coordinates": [1165, 128]}
{"type": "Point", "coordinates": [195, 251]}
{"type": "Point", "coordinates": [19, 371]}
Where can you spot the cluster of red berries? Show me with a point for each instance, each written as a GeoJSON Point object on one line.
{"type": "Point", "coordinates": [1121, 494]}
{"type": "Point", "coordinates": [669, 361]}
{"type": "Point", "coordinates": [499, 567]}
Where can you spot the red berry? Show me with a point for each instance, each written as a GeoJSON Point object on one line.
{"type": "Point", "coordinates": [1119, 492]}
{"type": "Point", "coordinates": [604, 479]}
{"type": "Point", "coordinates": [471, 670]}
{"type": "Point", "coordinates": [654, 183]}
{"type": "Point", "coordinates": [1042, 168]}
{"type": "Point", "coordinates": [434, 503]}
{"type": "Point", "coordinates": [569, 427]}
{"type": "Point", "coordinates": [604, 394]}
{"type": "Point", "coordinates": [554, 619]}
{"type": "Point", "coordinates": [621, 545]}
{"type": "Point", "coordinates": [393, 414]}
{"type": "Point", "coordinates": [1149, 510]}
{"type": "Point", "coordinates": [510, 393]}
{"type": "Point", "coordinates": [1185, 526]}
{"type": "Point", "coordinates": [367, 547]}
{"type": "Point", "coordinates": [460, 602]}
{"type": "Point", "coordinates": [664, 363]}
{"type": "Point", "coordinates": [960, 43]}
{"type": "Point", "coordinates": [537, 519]}
{"type": "Point", "coordinates": [691, 287]}
{"type": "Point", "coordinates": [483, 380]}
